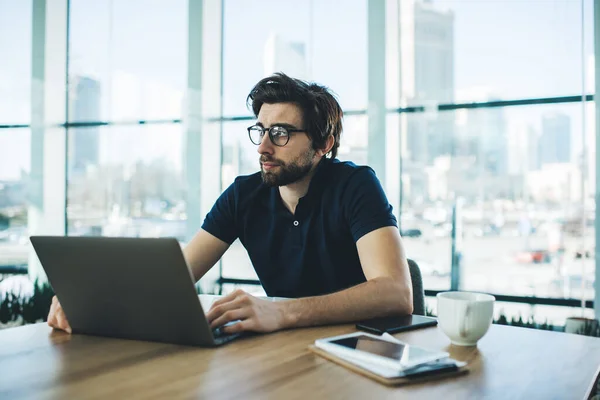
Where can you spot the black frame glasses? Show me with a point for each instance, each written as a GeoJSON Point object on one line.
{"type": "Point", "coordinates": [278, 134]}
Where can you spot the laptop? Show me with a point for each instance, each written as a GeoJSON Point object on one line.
{"type": "Point", "coordinates": [129, 288]}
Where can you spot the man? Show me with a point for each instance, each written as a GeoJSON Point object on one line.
{"type": "Point", "coordinates": [317, 230]}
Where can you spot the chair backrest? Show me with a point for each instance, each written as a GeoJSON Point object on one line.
{"type": "Point", "coordinates": [417, 287]}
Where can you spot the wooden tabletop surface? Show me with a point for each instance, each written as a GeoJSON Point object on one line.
{"type": "Point", "coordinates": [508, 363]}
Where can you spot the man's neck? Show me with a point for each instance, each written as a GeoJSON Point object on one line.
{"type": "Point", "coordinates": [292, 193]}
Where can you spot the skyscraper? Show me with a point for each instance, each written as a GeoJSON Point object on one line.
{"type": "Point", "coordinates": [434, 52]}
{"type": "Point", "coordinates": [84, 141]}
{"type": "Point", "coordinates": [426, 58]}
{"type": "Point", "coordinates": [494, 143]}
{"type": "Point", "coordinates": [481, 133]}
{"type": "Point", "coordinates": [428, 46]}
{"type": "Point", "coordinates": [281, 55]}
{"type": "Point", "coordinates": [427, 76]}
{"type": "Point", "coordinates": [555, 141]}
{"type": "Point", "coordinates": [533, 149]}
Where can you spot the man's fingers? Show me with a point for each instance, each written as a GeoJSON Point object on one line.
{"type": "Point", "coordinates": [57, 318]}
{"type": "Point", "coordinates": [219, 309]}
{"type": "Point", "coordinates": [52, 320]}
{"type": "Point", "coordinates": [52, 313]}
{"type": "Point", "coordinates": [245, 325]}
{"type": "Point", "coordinates": [228, 298]}
{"type": "Point", "coordinates": [62, 321]}
{"type": "Point", "coordinates": [232, 315]}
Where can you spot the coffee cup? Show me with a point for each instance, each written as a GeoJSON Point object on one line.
{"type": "Point", "coordinates": [465, 316]}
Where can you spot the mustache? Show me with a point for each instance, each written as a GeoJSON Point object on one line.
{"type": "Point", "coordinates": [266, 159]}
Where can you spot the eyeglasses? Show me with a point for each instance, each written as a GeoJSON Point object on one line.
{"type": "Point", "coordinates": [279, 135]}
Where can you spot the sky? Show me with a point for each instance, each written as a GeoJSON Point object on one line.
{"type": "Point", "coordinates": [138, 51]}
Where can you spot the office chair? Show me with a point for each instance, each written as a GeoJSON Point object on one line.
{"type": "Point", "coordinates": [417, 287]}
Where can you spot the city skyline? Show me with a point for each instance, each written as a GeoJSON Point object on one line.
{"type": "Point", "coordinates": [124, 95]}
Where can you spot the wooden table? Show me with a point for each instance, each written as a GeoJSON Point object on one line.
{"type": "Point", "coordinates": [509, 363]}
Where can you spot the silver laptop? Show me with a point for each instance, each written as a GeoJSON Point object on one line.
{"type": "Point", "coordinates": [127, 288]}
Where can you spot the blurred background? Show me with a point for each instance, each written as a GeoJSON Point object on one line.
{"type": "Point", "coordinates": [127, 118]}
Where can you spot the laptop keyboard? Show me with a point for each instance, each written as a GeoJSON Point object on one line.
{"type": "Point", "coordinates": [218, 332]}
{"type": "Point", "coordinates": [222, 337]}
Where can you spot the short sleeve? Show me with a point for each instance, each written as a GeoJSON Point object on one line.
{"type": "Point", "coordinates": [366, 205]}
{"type": "Point", "coordinates": [220, 221]}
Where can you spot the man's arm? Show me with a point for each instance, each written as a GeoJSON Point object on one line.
{"type": "Point", "coordinates": [388, 291]}
{"type": "Point", "coordinates": [203, 252]}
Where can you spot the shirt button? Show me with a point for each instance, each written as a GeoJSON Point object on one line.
{"type": "Point", "coordinates": [296, 223]}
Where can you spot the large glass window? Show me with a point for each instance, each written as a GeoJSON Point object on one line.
{"type": "Point", "coordinates": [15, 150]}
{"type": "Point", "coordinates": [525, 49]}
{"type": "Point", "coordinates": [506, 194]}
{"type": "Point", "coordinates": [126, 181]}
{"type": "Point", "coordinates": [15, 67]}
{"type": "Point", "coordinates": [519, 180]}
{"type": "Point", "coordinates": [127, 60]}
{"type": "Point", "coordinates": [15, 144]}
{"type": "Point", "coordinates": [305, 39]}
{"type": "Point", "coordinates": [513, 177]}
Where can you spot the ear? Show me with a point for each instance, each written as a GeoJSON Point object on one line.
{"type": "Point", "coordinates": [328, 146]}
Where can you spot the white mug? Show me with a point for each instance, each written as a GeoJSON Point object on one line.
{"type": "Point", "coordinates": [465, 316]}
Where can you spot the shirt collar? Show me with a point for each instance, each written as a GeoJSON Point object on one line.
{"type": "Point", "coordinates": [319, 179]}
{"type": "Point", "coordinates": [315, 186]}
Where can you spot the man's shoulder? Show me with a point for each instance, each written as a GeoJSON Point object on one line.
{"type": "Point", "coordinates": [248, 182]}
{"type": "Point", "coordinates": [248, 188]}
{"type": "Point", "coordinates": [348, 169]}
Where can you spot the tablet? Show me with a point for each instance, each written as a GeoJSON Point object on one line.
{"type": "Point", "coordinates": [396, 324]}
{"type": "Point", "coordinates": [373, 349]}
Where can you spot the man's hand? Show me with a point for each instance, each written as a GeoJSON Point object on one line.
{"type": "Point", "coordinates": [254, 314]}
{"type": "Point", "coordinates": [57, 318]}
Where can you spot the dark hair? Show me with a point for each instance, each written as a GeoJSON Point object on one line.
{"type": "Point", "coordinates": [321, 111]}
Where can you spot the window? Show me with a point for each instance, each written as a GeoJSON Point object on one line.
{"type": "Point", "coordinates": [128, 62]}
{"type": "Point", "coordinates": [126, 181]}
{"type": "Point", "coordinates": [522, 177]}
{"type": "Point", "coordinates": [14, 177]}
{"type": "Point", "coordinates": [15, 141]}
{"type": "Point", "coordinates": [524, 49]}
{"type": "Point", "coordinates": [130, 57]}
{"type": "Point", "coordinates": [502, 190]}
{"type": "Point", "coordinates": [15, 68]}
{"type": "Point", "coordinates": [321, 44]}
{"type": "Point", "coordinates": [515, 176]}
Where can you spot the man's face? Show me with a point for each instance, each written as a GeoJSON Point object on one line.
{"type": "Point", "coordinates": [284, 165]}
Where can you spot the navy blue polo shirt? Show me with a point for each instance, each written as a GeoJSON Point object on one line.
{"type": "Point", "coordinates": [312, 252]}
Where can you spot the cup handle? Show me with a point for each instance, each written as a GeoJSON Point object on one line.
{"type": "Point", "coordinates": [463, 324]}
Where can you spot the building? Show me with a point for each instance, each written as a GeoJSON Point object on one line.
{"type": "Point", "coordinates": [84, 142]}
{"type": "Point", "coordinates": [558, 183]}
{"type": "Point", "coordinates": [555, 142]}
{"type": "Point", "coordinates": [533, 149]}
{"type": "Point", "coordinates": [281, 55]}
{"type": "Point", "coordinates": [426, 79]}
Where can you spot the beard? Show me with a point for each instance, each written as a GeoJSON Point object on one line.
{"type": "Point", "coordinates": [287, 173]}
